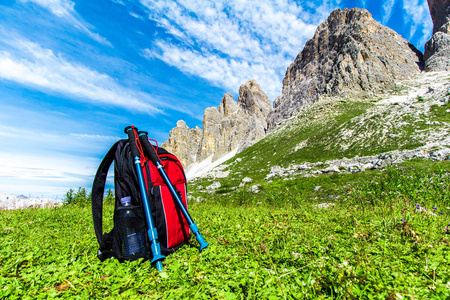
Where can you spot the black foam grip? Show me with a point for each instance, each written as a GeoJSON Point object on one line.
{"type": "Point", "coordinates": [130, 131]}
{"type": "Point", "coordinates": [149, 151]}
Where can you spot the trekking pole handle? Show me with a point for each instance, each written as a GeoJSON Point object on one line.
{"type": "Point", "coordinates": [131, 138]}
{"type": "Point", "coordinates": [152, 231]}
{"type": "Point", "coordinates": [148, 148]}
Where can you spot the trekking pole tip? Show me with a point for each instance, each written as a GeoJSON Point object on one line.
{"type": "Point", "coordinates": [159, 266]}
{"type": "Point", "coordinates": [203, 244]}
{"type": "Point", "coordinates": [157, 259]}
{"type": "Point", "coordinates": [198, 236]}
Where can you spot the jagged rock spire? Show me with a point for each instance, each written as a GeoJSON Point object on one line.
{"type": "Point", "coordinates": [231, 126]}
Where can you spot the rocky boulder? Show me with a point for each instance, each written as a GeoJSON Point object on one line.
{"type": "Point", "coordinates": [437, 49]}
{"type": "Point", "coordinates": [349, 53]}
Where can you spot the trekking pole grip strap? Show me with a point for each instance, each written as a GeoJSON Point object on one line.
{"type": "Point", "coordinates": [129, 130]}
{"type": "Point", "coordinates": [148, 148]}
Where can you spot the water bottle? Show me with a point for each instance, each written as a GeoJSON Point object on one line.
{"type": "Point", "coordinates": [131, 230]}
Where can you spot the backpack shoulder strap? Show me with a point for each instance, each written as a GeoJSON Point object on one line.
{"type": "Point", "coordinates": [98, 189]}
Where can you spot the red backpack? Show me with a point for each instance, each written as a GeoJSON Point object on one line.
{"type": "Point", "coordinates": [172, 227]}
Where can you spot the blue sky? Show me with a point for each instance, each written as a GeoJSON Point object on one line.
{"type": "Point", "coordinates": [73, 74]}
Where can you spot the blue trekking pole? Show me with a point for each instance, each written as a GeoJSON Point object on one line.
{"type": "Point", "coordinates": [151, 154]}
{"type": "Point", "coordinates": [131, 131]}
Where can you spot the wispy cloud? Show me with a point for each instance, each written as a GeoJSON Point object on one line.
{"type": "Point", "coordinates": [60, 8]}
{"type": "Point", "coordinates": [65, 9]}
{"type": "Point", "coordinates": [418, 15]}
{"type": "Point", "coordinates": [36, 161]}
{"type": "Point", "coordinates": [388, 5]}
{"type": "Point", "coordinates": [59, 140]}
{"type": "Point", "coordinates": [95, 137]}
{"type": "Point", "coordinates": [29, 64]}
{"type": "Point", "coordinates": [43, 174]}
{"type": "Point", "coordinates": [229, 42]}
{"type": "Point", "coordinates": [43, 166]}
{"type": "Point", "coordinates": [227, 73]}
{"type": "Point", "coordinates": [134, 15]}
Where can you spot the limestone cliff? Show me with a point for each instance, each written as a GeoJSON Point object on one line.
{"type": "Point", "coordinates": [183, 142]}
{"type": "Point", "coordinates": [349, 53]}
{"type": "Point", "coordinates": [231, 126]}
{"type": "Point", "coordinates": [437, 49]}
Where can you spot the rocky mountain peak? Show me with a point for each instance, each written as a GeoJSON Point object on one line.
{"type": "Point", "coordinates": [253, 100]}
{"type": "Point", "coordinates": [228, 106]}
{"type": "Point", "coordinates": [232, 126]}
{"type": "Point", "coordinates": [181, 124]}
{"type": "Point", "coordinates": [349, 53]}
{"type": "Point", "coordinates": [184, 142]}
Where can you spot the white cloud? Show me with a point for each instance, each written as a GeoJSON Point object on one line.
{"type": "Point", "coordinates": [388, 5]}
{"type": "Point", "coordinates": [134, 15]}
{"type": "Point", "coordinates": [228, 73]}
{"type": "Point", "coordinates": [418, 15]}
{"type": "Point", "coordinates": [229, 42]}
{"type": "Point", "coordinates": [39, 167]}
{"type": "Point", "coordinates": [29, 64]}
{"type": "Point", "coordinates": [60, 8]}
{"type": "Point", "coordinates": [28, 141]}
{"type": "Point", "coordinates": [65, 9]}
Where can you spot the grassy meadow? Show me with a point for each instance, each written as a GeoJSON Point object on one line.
{"type": "Point", "coordinates": [385, 236]}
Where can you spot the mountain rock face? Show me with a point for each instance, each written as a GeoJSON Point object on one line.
{"type": "Point", "coordinates": [437, 49]}
{"type": "Point", "coordinates": [440, 11]}
{"type": "Point", "coordinates": [231, 126]}
{"type": "Point", "coordinates": [349, 53]}
{"type": "Point", "coordinates": [183, 142]}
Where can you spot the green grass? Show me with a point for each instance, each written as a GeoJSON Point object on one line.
{"type": "Point", "coordinates": [440, 112]}
{"type": "Point", "coordinates": [270, 245]}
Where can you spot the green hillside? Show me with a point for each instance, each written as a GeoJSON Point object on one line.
{"type": "Point", "coordinates": [414, 116]}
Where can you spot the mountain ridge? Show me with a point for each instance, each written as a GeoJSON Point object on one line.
{"type": "Point", "coordinates": [350, 55]}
